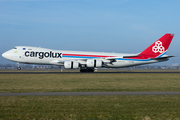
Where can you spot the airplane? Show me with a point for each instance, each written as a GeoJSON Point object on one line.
{"type": "Point", "coordinates": [89, 61]}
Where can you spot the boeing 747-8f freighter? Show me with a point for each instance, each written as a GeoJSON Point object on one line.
{"type": "Point", "coordinates": [88, 61]}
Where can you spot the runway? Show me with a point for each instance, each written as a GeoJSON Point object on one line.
{"type": "Point", "coordinates": [89, 93]}
{"type": "Point", "coordinates": [85, 73]}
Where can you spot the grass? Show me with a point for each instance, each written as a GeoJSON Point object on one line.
{"type": "Point", "coordinates": [158, 107]}
{"type": "Point", "coordinates": [89, 82]}
{"type": "Point", "coordinates": [90, 107]}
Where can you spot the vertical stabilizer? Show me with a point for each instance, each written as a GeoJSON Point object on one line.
{"type": "Point", "coordinates": [158, 48]}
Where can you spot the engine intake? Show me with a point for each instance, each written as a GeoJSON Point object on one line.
{"type": "Point", "coordinates": [94, 63]}
{"type": "Point", "coordinates": [71, 65]}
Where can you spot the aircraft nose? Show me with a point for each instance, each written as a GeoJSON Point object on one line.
{"type": "Point", "coordinates": [6, 55]}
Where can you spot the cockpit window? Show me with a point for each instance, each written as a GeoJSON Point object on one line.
{"type": "Point", "coordinates": [15, 48]}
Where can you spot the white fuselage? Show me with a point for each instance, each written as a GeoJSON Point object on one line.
{"type": "Point", "coordinates": [87, 61]}
{"type": "Point", "coordinates": [36, 55]}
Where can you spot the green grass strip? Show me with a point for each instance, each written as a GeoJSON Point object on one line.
{"type": "Point", "coordinates": [90, 107]}
{"type": "Point", "coordinates": [89, 82]}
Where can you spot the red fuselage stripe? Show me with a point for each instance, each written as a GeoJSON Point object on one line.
{"type": "Point", "coordinates": [86, 55]}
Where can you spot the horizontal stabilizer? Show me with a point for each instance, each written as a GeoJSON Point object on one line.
{"type": "Point", "coordinates": [160, 58]}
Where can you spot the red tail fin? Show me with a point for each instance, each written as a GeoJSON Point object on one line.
{"type": "Point", "coordinates": [157, 48]}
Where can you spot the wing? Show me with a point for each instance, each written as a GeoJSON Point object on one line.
{"type": "Point", "coordinates": [84, 61]}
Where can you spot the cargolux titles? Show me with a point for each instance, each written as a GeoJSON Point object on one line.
{"type": "Point", "coordinates": [41, 55]}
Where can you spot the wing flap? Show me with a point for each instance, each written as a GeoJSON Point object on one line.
{"type": "Point", "coordinates": [126, 56]}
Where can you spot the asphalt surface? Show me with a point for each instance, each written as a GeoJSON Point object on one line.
{"type": "Point", "coordinates": [88, 93]}
{"type": "Point", "coordinates": [80, 72]}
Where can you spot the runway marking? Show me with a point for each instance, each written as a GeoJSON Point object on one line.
{"type": "Point", "coordinates": [88, 93]}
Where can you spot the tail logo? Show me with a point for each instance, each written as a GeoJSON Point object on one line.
{"type": "Point", "coordinates": [158, 47]}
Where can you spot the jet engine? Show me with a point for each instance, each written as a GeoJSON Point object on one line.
{"type": "Point", "coordinates": [71, 65]}
{"type": "Point", "coordinates": [94, 63]}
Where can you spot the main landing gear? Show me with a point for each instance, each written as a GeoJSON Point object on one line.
{"type": "Point", "coordinates": [87, 70]}
{"type": "Point", "coordinates": [19, 68]}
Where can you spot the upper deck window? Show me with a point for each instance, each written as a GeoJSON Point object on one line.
{"type": "Point", "coordinates": [15, 48]}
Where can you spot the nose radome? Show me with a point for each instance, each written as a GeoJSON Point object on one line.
{"type": "Point", "coordinates": [6, 55]}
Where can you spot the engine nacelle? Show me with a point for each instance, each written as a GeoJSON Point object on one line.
{"type": "Point", "coordinates": [94, 63]}
{"type": "Point", "coordinates": [71, 65]}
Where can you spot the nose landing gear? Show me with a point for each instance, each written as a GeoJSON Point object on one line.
{"type": "Point", "coordinates": [19, 68]}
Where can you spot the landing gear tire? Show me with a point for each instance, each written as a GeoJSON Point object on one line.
{"type": "Point", "coordinates": [87, 70]}
{"type": "Point", "coordinates": [19, 68]}
{"type": "Point", "coordinates": [90, 70]}
{"type": "Point", "coordinates": [83, 70]}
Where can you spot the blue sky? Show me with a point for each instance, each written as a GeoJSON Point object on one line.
{"type": "Point", "coordinates": [120, 26]}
